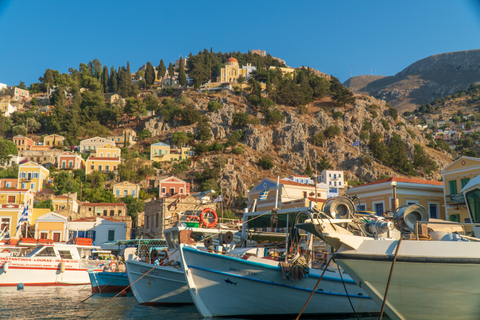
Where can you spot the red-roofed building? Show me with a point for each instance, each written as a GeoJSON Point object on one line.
{"type": "Point", "coordinates": [378, 196]}
{"type": "Point", "coordinates": [265, 193]}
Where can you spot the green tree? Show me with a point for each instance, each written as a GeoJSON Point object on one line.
{"type": "Point", "coordinates": [151, 102]}
{"type": "Point", "coordinates": [324, 164]}
{"type": "Point", "coordinates": [63, 182]}
{"type": "Point", "coordinates": [113, 81]}
{"type": "Point", "coordinates": [171, 70]}
{"type": "Point", "coordinates": [397, 155]}
{"type": "Point", "coordinates": [135, 107]}
{"type": "Point", "coordinates": [180, 138]}
{"type": "Point", "coordinates": [149, 75]}
{"type": "Point", "coordinates": [266, 162]}
{"type": "Point", "coordinates": [134, 206]}
{"type": "Point", "coordinates": [190, 114]}
{"type": "Point", "coordinates": [274, 116]}
{"type": "Point", "coordinates": [308, 169]}
{"type": "Point", "coordinates": [240, 119]}
{"type": "Point", "coordinates": [181, 73]}
{"type": "Point", "coordinates": [378, 147]}
{"type": "Point", "coordinates": [318, 139]}
{"type": "Point", "coordinates": [7, 148]}
{"type": "Point", "coordinates": [162, 70]}
{"type": "Point", "coordinates": [213, 106]}
{"type": "Point", "coordinates": [343, 97]}
{"type": "Point", "coordinates": [105, 79]}
{"type": "Point", "coordinates": [331, 131]}
{"type": "Point", "coordinates": [204, 130]}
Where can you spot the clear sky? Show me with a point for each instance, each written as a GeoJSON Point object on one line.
{"type": "Point", "coordinates": [337, 37]}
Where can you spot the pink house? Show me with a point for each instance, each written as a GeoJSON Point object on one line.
{"type": "Point", "coordinates": [20, 94]}
{"type": "Point", "coordinates": [70, 160]}
{"type": "Point", "coordinates": [173, 185]}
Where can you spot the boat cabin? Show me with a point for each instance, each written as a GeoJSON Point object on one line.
{"type": "Point", "coordinates": [62, 251]}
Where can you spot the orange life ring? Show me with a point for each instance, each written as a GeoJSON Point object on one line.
{"type": "Point", "coordinates": [113, 266]}
{"type": "Point", "coordinates": [6, 250]}
{"type": "Point", "coordinates": [205, 221]}
{"type": "Point", "coordinates": [190, 218]}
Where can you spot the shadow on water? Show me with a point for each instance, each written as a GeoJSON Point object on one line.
{"type": "Point", "coordinates": [64, 303]}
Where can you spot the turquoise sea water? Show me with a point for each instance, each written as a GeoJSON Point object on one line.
{"type": "Point", "coordinates": [65, 303]}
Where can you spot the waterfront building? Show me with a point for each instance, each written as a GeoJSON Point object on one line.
{"type": "Point", "coordinates": [379, 196]}
{"type": "Point", "coordinates": [51, 226]}
{"type": "Point", "coordinates": [455, 177]}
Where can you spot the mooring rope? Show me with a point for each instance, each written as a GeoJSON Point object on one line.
{"type": "Point", "coordinates": [389, 279]}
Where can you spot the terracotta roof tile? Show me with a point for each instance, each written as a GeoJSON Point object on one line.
{"type": "Point", "coordinates": [95, 158]}
{"type": "Point", "coordinates": [401, 179]}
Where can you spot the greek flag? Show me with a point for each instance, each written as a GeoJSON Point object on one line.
{"type": "Point", "coordinates": [263, 195]}
{"type": "Point", "coordinates": [23, 217]}
{"type": "Point", "coordinates": [356, 143]}
{"type": "Point", "coordinates": [218, 199]}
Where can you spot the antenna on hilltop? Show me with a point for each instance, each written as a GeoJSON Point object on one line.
{"type": "Point", "coordinates": [350, 73]}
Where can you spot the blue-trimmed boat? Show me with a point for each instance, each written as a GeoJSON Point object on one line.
{"type": "Point", "coordinates": [108, 281]}
{"type": "Point", "coordinates": [225, 285]}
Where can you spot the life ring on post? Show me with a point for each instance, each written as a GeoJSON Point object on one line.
{"type": "Point", "coordinates": [6, 251]}
{"type": "Point", "coordinates": [113, 266]}
{"type": "Point", "coordinates": [204, 221]}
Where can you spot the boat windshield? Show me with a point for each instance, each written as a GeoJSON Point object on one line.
{"type": "Point", "coordinates": [473, 202]}
{"type": "Point", "coordinates": [172, 239]}
{"type": "Point", "coordinates": [42, 252]}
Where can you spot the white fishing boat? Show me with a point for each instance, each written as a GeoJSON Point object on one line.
{"type": "Point", "coordinates": [240, 283]}
{"type": "Point", "coordinates": [49, 264]}
{"type": "Point", "coordinates": [429, 274]}
{"type": "Point", "coordinates": [164, 283]}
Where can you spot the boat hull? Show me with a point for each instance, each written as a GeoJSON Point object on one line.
{"type": "Point", "coordinates": [108, 281]}
{"type": "Point", "coordinates": [41, 272]}
{"type": "Point", "coordinates": [161, 286]}
{"type": "Point", "coordinates": [227, 286]}
{"type": "Point", "coordinates": [425, 283]}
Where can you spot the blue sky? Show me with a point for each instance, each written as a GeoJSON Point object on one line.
{"type": "Point", "coordinates": [336, 37]}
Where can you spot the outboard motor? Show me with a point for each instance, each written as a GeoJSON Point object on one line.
{"type": "Point", "coordinates": [339, 208]}
{"type": "Point", "coordinates": [406, 217]}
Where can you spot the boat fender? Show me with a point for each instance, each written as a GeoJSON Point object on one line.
{"type": "Point", "coordinates": [228, 237]}
{"type": "Point", "coordinates": [5, 266]}
{"type": "Point", "coordinates": [190, 218]}
{"type": "Point", "coordinates": [204, 221]}
{"type": "Point", "coordinates": [20, 286]}
{"type": "Point", "coordinates": [113, 266]}
{"type": "Point", "coordinates": [62, 266]}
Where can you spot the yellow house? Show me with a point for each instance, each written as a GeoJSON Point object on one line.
{"type": "Point", "coordinates": [162, 152]}
{"type": "Point", "coordinates": [285, 71]}
{"type": "Point", "coordinates": [51, 226]}
{"type": "Point", "coordinates": [125, 188]}
{"type": "Point", "coordinates": [105, 165]}
{"type": "Point", "coordinates": [54, 140]}
{"type": "Point", "coordinates": [108, 151]}
{"type": "Point", "coordinates": [32, 176]}
{"type": "Point", "coordinates": [455, 177]}
{"type": "Point", "coordinates": [377, 196]}
{"type": "Point", "coordinates": [36, 213]}
{"type": "Point", "coordinates": [12, 205]}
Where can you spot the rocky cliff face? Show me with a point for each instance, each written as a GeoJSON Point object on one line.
{"type": "Point", "coordinates": [423, 81]}
{"type": "Point", "coordinates": [290, 146]}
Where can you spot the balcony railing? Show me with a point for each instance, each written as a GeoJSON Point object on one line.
{"type": "Point", "coordinates": [456, 198]}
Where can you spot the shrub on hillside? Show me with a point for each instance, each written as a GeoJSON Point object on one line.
{"type": "Point", "coordinates": [214, 106]}
{"type": "Point", "coordinates": [331, 132]}
{"type": "Point", "coordinates": [266, 162]}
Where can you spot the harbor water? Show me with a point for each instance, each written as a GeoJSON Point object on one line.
{"type": "Point", "coordinates": [65, 303]}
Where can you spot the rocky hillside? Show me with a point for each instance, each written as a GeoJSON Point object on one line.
{"type": "Point", "coordinates": [291, 143]}
{"type": "Point", "coordinates": [423, 81]}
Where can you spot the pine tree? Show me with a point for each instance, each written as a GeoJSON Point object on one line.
{"type": "Point", "coordinates": [149, 75]}
{"type": "Point", "coordinates": [112, 85]}
{"type": "Point", "coordinates": [308, 169]}
{"type": "Point", "coordinates": [181, 73]}
{"type": "Point", "coordinates": [171, 70]}
{"type": "Point", "coordinates": [105, 79]}
{"type": "Point", "coordinates": [162, 70]}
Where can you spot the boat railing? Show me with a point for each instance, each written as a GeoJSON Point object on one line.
{"type": "Point", "coordinates": [451, 223]}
